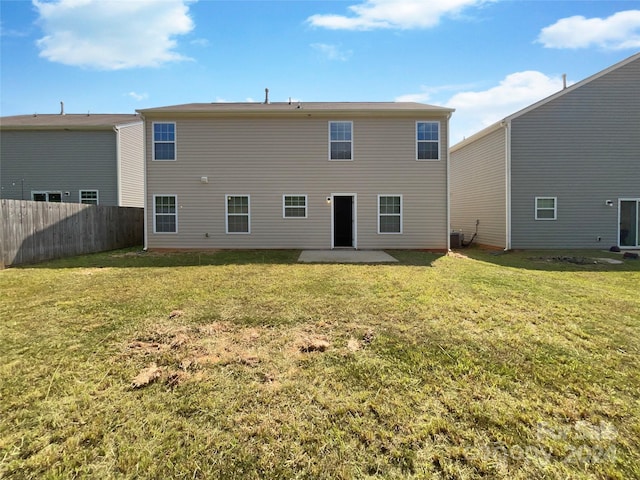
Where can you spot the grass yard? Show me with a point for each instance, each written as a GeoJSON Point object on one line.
{"type": "Point", "coordinates": [517, 366]}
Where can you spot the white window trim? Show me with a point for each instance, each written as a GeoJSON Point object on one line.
{"type": "Point", "coordinates": [331, 141]}
{"type": "Point", "coordinates": [620, 200]}
{"type": "Point", "coordinates": [555, 208]}
{"type": "Point", "coordinates": [155, 214]}
{"type": "Point", "coordinates": [354, 207]}
{"type": "Point", "coordinates": [153, 142]}
{"type": "Point", "coordinates": [89, 190]}
{"type": "Point", "coordinates": [388, 215]}
{"type": "Point", "coordinates": [226, 213]}
{"type": "Point", "coordinates": [430, 141]}
{"type": "Point", "coordinates": [284, 208]}
{"type": "Point", "coordinates": [47, 193]}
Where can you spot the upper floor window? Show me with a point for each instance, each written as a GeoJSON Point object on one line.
{"type": "Point", "coordinates": [294, 206]}
{"type": "Point", "coordinates": [428, 140]}
{"type": "Point", "coordinates": [89, 197]}
{"type": "Point", "coordinates": [546, 208]}
{"type": "Point", "coordinates": [164, 141]}
{"type": "Point", "coordinates": [340, 140]}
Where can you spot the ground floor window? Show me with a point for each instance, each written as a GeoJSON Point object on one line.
{"type": "Point", "coordinates": [389, 213]}
{"type": "Point", "coordinates": [46, 196]}
{"type": "Point", "coordinates": [294, 206]}
{"type": "Point", "coordinates": [89, 197]}
{"type": "Point", "coordinates": [238, 214]}
{"type": "Point", "coordinates": [546, 208]}
{"type": "Point", "coordinates": [165, 217]}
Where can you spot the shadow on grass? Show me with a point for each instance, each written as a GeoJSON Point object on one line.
{"type": "Point", "coordinates": [137, 258]}
{"type": "Point", "coordinates": [546, 260]}
{"type": "Point", "coordinates": [555, 260]}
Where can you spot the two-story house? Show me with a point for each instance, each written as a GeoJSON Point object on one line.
{"type": "Point", "coordinates": [79, 158]}
{"type": "Point", "coordinates": [296, 175]}
{"type": "Point", "coordinates": [561, 173]}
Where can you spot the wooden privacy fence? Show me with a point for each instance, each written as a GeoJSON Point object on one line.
{"type": "Point", "coordinates": [35, 231]}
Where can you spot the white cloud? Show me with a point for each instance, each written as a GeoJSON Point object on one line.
{"type": "Point", "coordinates": [138, 96]}
{"type": "Point", "coordinates": [426, 92]}
{"type": "Point", "coordinates": [618, 32]}
{"type": "Point", "coordinates": [112, 34]}
{"type": "Point", "coordinates": [4, 32]}
{"type": "Point", "coordinates": [332, 52]}
{"type": "Point", "coordinates": [396, 14]}
{"type": "Point", "coordinates": [477, 109]}
{"type": "Point", "coordinates": [200, 42]}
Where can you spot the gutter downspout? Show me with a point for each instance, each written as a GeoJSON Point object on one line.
{"type": "Point", "coordinates": [507, 176]}
{"type": "Point", "coordinates": [448, 187]}
{"type": "Point", "coordinates": [116, 129]}
{"type": "Point", "coordinates": [144, 176]}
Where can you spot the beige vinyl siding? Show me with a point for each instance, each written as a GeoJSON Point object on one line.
{"type": "Point", "coordinates": [59, 160]}
{"type": "Point", "coordinates": [583, 148]}
{"type": "Point", "coordinates": [131, 165]}
{"type": "Point", "coordinates": [268, 157]}
{"type": "Point", "coordinates": [478, 187]}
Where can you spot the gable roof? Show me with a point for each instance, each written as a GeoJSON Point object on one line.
{"type": "Point", "coordinates": [307, 107]}
{"type": "Point", "coordinates": [67, 121]}
{"type": "Point", "coordinates": [544, 101]}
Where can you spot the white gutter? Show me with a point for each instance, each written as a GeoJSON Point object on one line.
{"type": "Point", "coordinates": [144, 172]}
{"type": "Point", "coordinates": [448, 187]}
{"type": "Point", "coordinates": [507, 175]}
{"type": "Point", "coordinates": [116, 129]}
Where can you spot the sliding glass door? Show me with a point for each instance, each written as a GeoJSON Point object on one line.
{"type": "Point", "coordinates": [629, 222]}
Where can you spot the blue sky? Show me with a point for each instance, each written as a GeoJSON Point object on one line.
{"type": "Point", "coordinates": [486, 58]}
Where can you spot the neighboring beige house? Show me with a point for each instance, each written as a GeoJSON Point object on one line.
{"type": "Point", "coordinates": [562, 173]}
{"type": "Point", "coordinates": [94, 159]}
{"type": "Point", "coordinates": [297, 175]}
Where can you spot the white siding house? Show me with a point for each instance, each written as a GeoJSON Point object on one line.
{"type": "Point", "coordinates": [562, 173]}
{"type": "Point", "coordinates": [311, 175]}
{"type": "Point", "coordinates": [94, 159]}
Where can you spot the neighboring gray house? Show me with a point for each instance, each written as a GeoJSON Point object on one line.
{"type": "Point", "coordinates": [94, 159]}
{"type": "Point", "coordinates": [291, 175]}
{"type": "Point", "coordinates": [562, 173]}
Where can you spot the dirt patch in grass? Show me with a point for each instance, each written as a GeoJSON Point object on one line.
{"type": "Point", "coordinates": [147, 376]}
{"type": "Point", "coordinates": [313, 344]}
{"type": "Point", "coordinates": [171, 354]}
{"type": "Point", "coordinates": [576, 260]}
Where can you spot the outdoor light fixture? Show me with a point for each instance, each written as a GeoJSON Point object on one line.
{"type": "Point", "coordinates": [608, 203]}
{"type": "Point", "coordinates": [328, 199]}
{"type": "Point", "coordinates": [204, 179]}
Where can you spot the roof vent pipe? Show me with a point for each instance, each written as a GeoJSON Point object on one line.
{"type": "Point", "coordinates": [61, 108]}
{"type": "Point", "coordinates": [564, 81]}
{"type": "Point", "coordinates": [266, 96]}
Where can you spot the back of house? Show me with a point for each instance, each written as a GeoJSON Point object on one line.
{"type": "Point", "coordinates": [297, 175]}
{"type": "Point", "coordinates": [562, 173]}
{"type": "Point", "coordinates": [78, 158]}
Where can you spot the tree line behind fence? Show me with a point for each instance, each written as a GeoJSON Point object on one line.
{"type": "Point", "coordinates": [36, 231]}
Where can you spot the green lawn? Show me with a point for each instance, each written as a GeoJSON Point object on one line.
{"type": "Point", "coordinates": [523, 365]}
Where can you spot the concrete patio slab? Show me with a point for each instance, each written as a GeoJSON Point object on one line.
{"type": "Point", "coordinates": [345, 256]}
